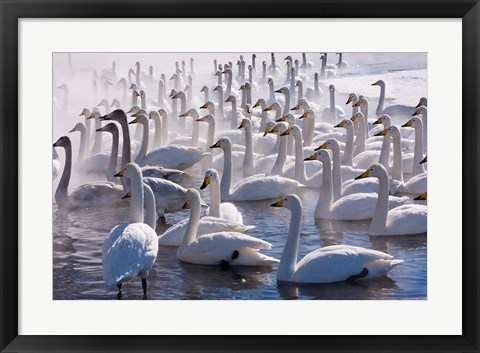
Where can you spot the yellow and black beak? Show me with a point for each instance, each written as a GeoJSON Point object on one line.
{"type": "Point", "coordinates": [304, 115]}
{"type": "Point", "coordinates": [312, 157]}
{"type": "Point", "coordinates": [283, 118]}
{"type": "Point", "coordinates": [134, 121]}
{"type": "Point", "coordinates": [150, 115]}
{"type": "Point", "coordinates": [353, 118]}
{"type": "Point", "coordinates": [349, 100]}
{"type": "Point", "coordinates": [268, 108]}
{"type": "Point", "coordinates": [218, 144]}
{"type": "Point", "coordinates": [131, 110]}
{"type": "Point", "coordinates": [422, 196]}
{"type": "Point", "coordinates": [266, 131]}
{"type": "Point", "coordinates": [73, 130]}
{"type": "Point", "coordinates": [91, 116]}
{"type": "Point", "coordinates": [228, 100]}
{"type": "Point", "coordinates": [297, 107]}
{"type": "Point", "coordinates": [279, 203]}
{"type": "Point", "coordinates": [206, 182]}
{"type": "Point", "coordinates": [186, 205]}
{"type": "Point", "coordinates": [374, 84]}
{"type": "Point", "coordinates": [278, 90]}
{"type": "Point", "coordinates": [275, 129]}
{"type": "Point", "coordinates": [256, 104]}
{"type": "Point", "coordinates": [420, 104]}
{"type": "Point", "coordinates": [340, 124]}
{"type": "Point", "coordinates": [287, 132]}
{"type": "Point", "coordinates": [183, 115]}
{"type": "Point", "coordinates": [416, 112]}
{"type": "Point", "coordinates": [127, 196]}
{"type": "Point", "coordinates": [323, 146]}
{"type": "Point", "coordinates": [136, 114]}
{"type": "Point", "coordinates": [205, 106]}
{"type": "Point", "coordinates": [365, 174]}
{"type": "Point", "coordinates": [357, 104]}
{"type": "Point", "coordinates": [382, 133]}
{"type": "Point", "coordinates": [120, 173]}
{"type": "Point", "coordinates": [378, 121]}
{"type": "Point", "coordinates": [408, 123]}
{"type": "Point", "coordinates": [424, 160]}
{"type": "Point", "coordinates": [242, 125]}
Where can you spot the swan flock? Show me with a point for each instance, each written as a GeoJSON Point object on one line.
{"type": "Point", "coordinates": [206, 142]}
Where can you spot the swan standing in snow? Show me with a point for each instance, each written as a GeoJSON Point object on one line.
{"type": "Point", "coordinates": [130, 248]}
{"type": "Point", "coordinates": [396, 111]}
{"type": "Point", "coordinates": [221, 248]}
{"type": "Point", "coordinates": [225, 210]}
{"type": "Point", "coordinates": [406, 219]}
{"type": "Point", "coordinates": [330, 264]}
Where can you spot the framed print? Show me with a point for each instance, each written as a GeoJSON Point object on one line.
{"type": "Point", "coordinates": [229, 171]}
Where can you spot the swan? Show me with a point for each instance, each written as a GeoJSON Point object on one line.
{"type": "Point", "coordinates": [329, 264]}
{"type": "Point", "coordinates": [194, 140]}
{"type": "Point", "coordinates": [341, 64]}
{"type": "Point", "coordinates": [264, 118]}
{"type": "Point", "coordinates": [183, 107]}
{"type": "Point", "coordinates": [351, 207]}
{"type": "Point", "coordinates": [417, 167]}
{"type": "Point", "coordinates": [88, 195]}
{"type": "Point", "coordinates": [130, 248]}
{"type": "Point", "coordinates": [256, 187]}
{"type": "Point", "coordinates": [406, 219]}
{"type": "Point", "coordinates": [286, 92]}
{"type": "Point", "coordinates": [234, 115]}
{"type": "Point", "coordinates": [396, 111]}
{"type": "Point", "coordinates": [170, 156]}
{"type": "Point", "coordinates": [225, 210]}
{"type": "Point", "coordinates": [205, 91]}
{"type": "Point", "coordinates": [422, 111]}
{"type": "Point", "coordinates": [272, 97]}
{"type": "Point", "coordinates": [221, 248]}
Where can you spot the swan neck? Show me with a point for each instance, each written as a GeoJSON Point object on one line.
{"type": "Point", "coordinates": [381, 101]}
{"type": "Point", "coordinates": [418, 151]}
{"type": "Point", "coordinates": [226, 182]}
{"type": "Point", "coordinates": [379, 220]}
{"type": "Point", "coordinates": [397, 160]}
{"type": "Point", "coordinates": [214, 199]}
{"type": "Point", "coordinates": [193, 222]}
{"type": "Point", "coordinates": [126, 148]}
{"type": "Point", "coordinates": [300, 174]}
{"type": "Point", "coordinates": [281, 157]}
{"type": "Point", "coordinates": [136, 202]}
{"type": "Point", "coordinates": [112, 165]}
{"type": "Point", "coordinates": [248, 165]}
{"type": "Point", "coordinates": [97, 145]}
{"type": "Point", "coordinates": [157, 139]}
{"type": "Point", "coordinates": [143, 149]}
{"type": "Point", "coordinates": [150, 207]}
{"type": "Point", "coordinates": [288, 261]}
{"type": "Point", "coordinates": [325, 198]}
{"type": "Point", "coordinates": [61, 194]}
{"type": "Point", "coordinates": [337, 174]}
{"type": "Point", "coordinates": [349, 148]}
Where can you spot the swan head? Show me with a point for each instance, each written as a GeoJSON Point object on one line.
{"type": "Point", "coordinates": [129, 171]}
{"type": "Point", "coordinates": [141, 118]}
{"type": "Point", "coordinates": [78, 127]}
{"type": "Point", "coordinates": [191, 112]}
{"type": "Point", "coordinates": [245, 122]}
{"type": "Point", "coordinates": [352, 97]}
{"type": "Point", "coordinates": [250, 68]}
{"type": "Point", "coordinates": [330, 144]}
{"type": "Point", "coordinates": [280, 128]}
{"type": "Point", "coordinates": [115, 102]}
{"type": "Point", "coordinates": [383, 119]}
{"type": "Point", "coordinates": [289, 118]}
{"type": "Point", "coordinates": [269, 127]}
{"type": "Point", "coordinates": [108, 128]}
{"type": "Point", "coordinates": [380, 83]}
{"type": "Point", "coordinates": [308, 114]}
{"type": "Point", "coordinates": [293, 130]}
{"type": "Point", "coordinates": [133, 86]}
{"type": "Point", "coordinates": [346, 123]}
{"type": "Point", "coordinates": [116, 115]}
{"type": "Point", "coordinates": [424, 160]}
{"type": "Point", "coordinates": [422, 102]}
{"type": "Point", "coordinates": [187, 87]}
{"type": "Point", "coordinates": [290, 201]}
{"type": "Point", "coordinates": [172, 93]}
{"type": "Point", "coordinates": [192, 196]}
{"type": "Point", "coordinates": [331, 88]}
{"type": "Point", "coordinates": [299, 83]}
{"type": "Point", "coordinates": [414, 122]}
{"type": "Point", "coordinates": [282, 90]}
{"type": "Point", "coordinates": [358, 115]}
{"type": "Point", "coordinates": [137, 64]}
{"type": "Point", "coordinates": [260, 103]}
{"type": "Point", "coordinates": [421, 110]}
{"type": "Point", "coordinates": [218, 88]}
{"type": "Point", "coordinates": [248, 85]}
{"type": "Point", "coordinates": [361, 101]}
{"type": "Point", "coordinates": [163, 113]}
{"type": "Point", "coordinates": [377, 170]}
{"type": "Point", "coordinates": [176, 95]}
{"type": "Point", "coordinates": [153, 114]}
{"type": "Point", "coordinates": [254, 56]}
{"type": "Point", "coordinates": [223, 143]}
{"type": "Point", "coordinates": [122, 80]}
{"type": "Point", "coordinates": [207, 105]}
{"type": "Point", "coordinates": [270, 81]}
{"type": "Point", "coordinates": [192, 60]}
{"type": "Point", "coordinates": [288, 58]}
{"type": "Point", "coordinates": [204, 89]}
{"type": "Point", "coordinates": [210, 175]}
{"type": "Point", "coordinates": [103, 102]}
{"type": "Point", "coordinates": [247, 109]}
{"type": "Point", "coordinates": [63, 141]}
{"type": "Point", "coordinates": [231, 98]}
{"type": "Point", "coordinates": [95, 114]}
{"type": "Point", "coordinates": [174, 77]}
{"type": "Point", "coordinates": [320, 155]}
{"type": "Point", "coordinates": [421, 197]}
{"type": "Point", "coordinates": [207, 118]}
{"type": "Point", "coordinates": [85, 112]}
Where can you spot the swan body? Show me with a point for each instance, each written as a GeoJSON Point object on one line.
{"type": "Point", "coordinates": [330, 264]}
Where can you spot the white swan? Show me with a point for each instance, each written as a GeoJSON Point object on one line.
{"type": "Point", "coordinates": [406, 219]}
{"type": "Point", "coordinates": [334, 263]}
{"type": "Point", "coordinates": [334, 112]}
{"type": "Point", "coordinates": [88, 195]}
{"type": "Point", "coordinates": [351, 207]}
{"type": "Point", "coordinates": [396, 111]}
{"type": "Point", "coordinates": [55, 164]}
{"type": "Point", "coordinates": [225, 210]}
{"type": "Point", "coordinates": [256, 187]}
{"type": "Point", "coordinates": [221, 248]}
{"type": "Point", "coordinates": [130, 248]}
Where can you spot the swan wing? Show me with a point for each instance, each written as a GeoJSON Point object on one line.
{"type": "Point", "coordinates": [407, 219]}
{"type": "Point", "coordinates": [95, 194]}
{"type": "Point", "coordinates": [263, 187]}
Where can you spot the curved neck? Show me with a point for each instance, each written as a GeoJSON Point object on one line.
{"type": "Point", "coordinates": [143, 149]}
{"type": "Point", "coordinates": [150, 218]}
{"type": "Point", "coordinates": [165, 128]}
{"type": "Point", "coordinates": [214, 199]}
{"type": "Point", "coordinates": [226, 182]}
{"type": "Point", "coordinates": [379, 220]}
{"type": "Point", "coordinates": [157, 139]}
{"type": "Point", "coordinates": [61, 194]}
{"type": "Point", "coordinates": [288, 262]}
{"type": "Point", "coordinates": [136, 203]}
{"type": "Point", "coordinates": [193, 221]}
{"type": "Point", "coordinates": [381, 101]}
{"type": "Point", "coordinates": [281, 157]}
{"type": "Point", "coordinates": [248, 164]}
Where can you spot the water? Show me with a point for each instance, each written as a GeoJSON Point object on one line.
{"type": "Point", "coordinates": [78, 235]}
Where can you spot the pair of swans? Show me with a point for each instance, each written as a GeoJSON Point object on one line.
{"type": "Point", "coordinates": [329, 264]}
{"type": "Point", "coordinates": [131, 248]}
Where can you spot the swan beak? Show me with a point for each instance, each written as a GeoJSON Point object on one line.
{"type": "Point", "coordinates": [278, 90]}
{"type": "Point", "coordinates": [101, 129]}
{"type": "Point", "coordinates": [379, 121]}
{"type": "Point", "coordinates": [183, 115]}
{"type": "Point", "coordinates": [127, 196]}
{"type": "Point", "coordinates": [349, 100]}
{"type": "Point", "coordinates": [216, 88]}
{"type": "Point", "coordinates": [417, 112]}
{"type": "Point", "coordinates": [268, 108]}
{"type": "Point", "coordinates": [304, 115]}
{"type": "Point", "coordinates": [287, 132]}
{"type": "Point", "coordinates": [176, 95]}
{"type": "Point", "coordinates": [206, 182]}
{"type": "Point", "coordinates": [312, 157]}
{"type": "Point", "coordinates": [340, 124]}
{"type": "Point", "coordinates": [218, 144]}
{"type": "Point", "coordinates": [420, 104]}
{"type": "Point", "coordinates": [279, 203]}
{"type": "Point", "coordinates": [92, 116]}
{"type": "Point", "coordinates": [73, 130]}
{"type": "Point", "coordinates": [353, 118]}
{"type": "Point", "coordinates": [132, 109]}
{"type": "Point", "coordinates": [266, 131]}
{"type": "Point", "coordinates": [228, 100]}
{"type": "Point", "coordinates": [283, 118]}
{"type": "Point", "coordinates": [357, 104]}
{"type": "Point", "coordinates": [374, 84]}
{"type": "Point", "coordinates": [275, 129]}
{"type": "Point", "coordinates": [422, 196]}
{"type": "Point", "coordinates": [242, 125]}
{"type": "Point", "coordinates": [382, 133]}
{"type": "Point", "coordinates": [205, 106]}
{"type": "Point", "coordinates": [201, 119]}
{"type": "Point", "coordinates": [297, 107]}
{"type": "Point", "coordinates": [186, 205]}
{"type": "Point", "coordinates": [57, 144]}
{"type": "Point", "coordinates": [256, 104]}
{"type": "Point", "coordinates": [150, 116]}
{"type": "Point", "coordinates": [424, 160]}
{"type": "Point", "coordinates": [323, 146]}
{"type": "Point", "coordinates": [408, 123]}
{"type": "Point", "coordinates": [120, 173]}
{"type": "Point", "coordinates": [134, 121]}
{"type": "Point", "coordinates": [365, 174]}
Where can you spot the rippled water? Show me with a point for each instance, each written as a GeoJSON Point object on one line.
{"type": "Point", "coordinates": [77, 250]}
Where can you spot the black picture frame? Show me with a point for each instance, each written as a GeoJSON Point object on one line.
{"type": "Point", "coordinates": [12, 11]}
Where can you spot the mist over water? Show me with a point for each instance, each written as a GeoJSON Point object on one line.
{"type": "Point", "coordinates": [78, 235]}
